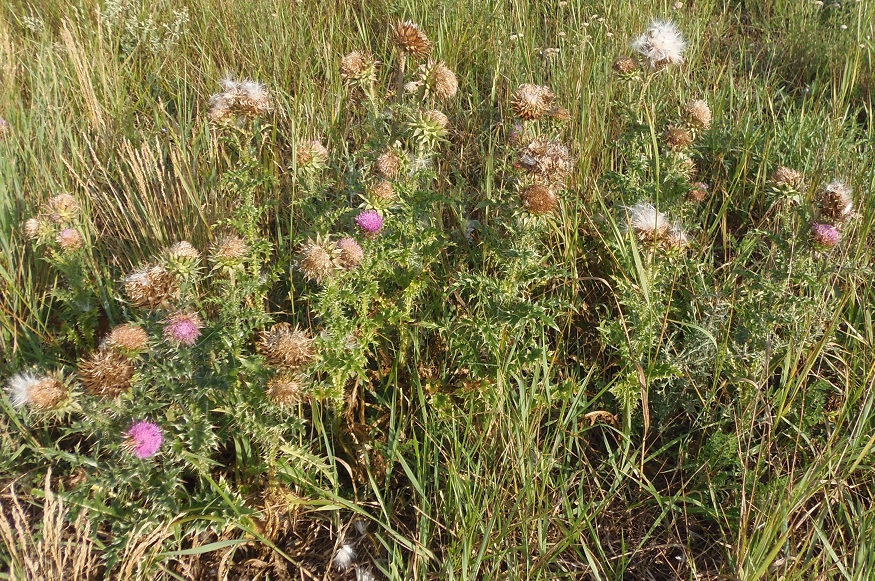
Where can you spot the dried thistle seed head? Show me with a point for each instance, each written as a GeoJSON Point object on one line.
{"type": "Point", "coordinates": [410, 39]}
{"type": "Point", "coordinates": [382, 191]}
{"type": "Point", "coordinates": [661, 45]}
{"type": "Point", "coordinates": [549, 162]}
{"type": "Point", "coordinates": [698, 192]}
{"type": "Point", "coordinates": [560, 114]}
{"type": "Point", "coordinates": [699, 114]}
{"type": "Point", "coordinates": [351, 253]}
{"type": "Point", "coordinates": [69, 239]}
{"type": "Point", "coordinates": [34, 228]}
{"type": "Point", "coordinates": [244, 98]}
{"type": "Point", "coordinates": [625, 65]}
{"type": "Point", "coordinates": [62, 208]}
{"type": "Point", "coordinates": [678, 138]}
{"type": "Point", "coordinates": [43, 392]}
{"type": "Point", "coordinates": [358, 66]}
{"type": "Point", "coordinates": [539, 199]}
{"type": "Point", "coordinates": [128, 339]}
{"type": "Point", "coordinates": [317, 260]}
{"type": "Point", "coordinates": [230, 250]}
{"type": "Point", "coordinates": [648, 223]}
{"type": "Point", "coordinates": [438, 80]}
{"type": "Point", "coordinates": [437, 118]}
{"type": "Point", "coordinates": [389, 164]}
{"type": "Point", "coordinates": [106, 372]}
{"type": "Point", "coordinates": [687, 167]}
{"type": "Point", "coordinates": [785, 177]}
{"type": "Point", "coordinates": [287, 389]}
{"type": "Point", "coordinates": [150, 286]}
{"type": "Point", "coordinates": [311, 155]}
{"type": "Point", "coordinates": [285, 346]}
{"type": "Point", "coordinates": [532, 101]}
{"type": "Point", "coordinates": [836, 203]}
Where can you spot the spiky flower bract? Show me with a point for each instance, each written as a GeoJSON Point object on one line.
{"type": "Point", "coordinates": [183, 328]}
{"type": "Point", "coordinates": [127, 339]}
{"type": "Point", "coordinates": [699, 114]}
{"type": "Point", "coordinates": [62, 208]}
{"type": "Point", "coordinates": [825, 235]}
{"type": "Point", "coordinates": [287, 389]}
{"type": "Point", "coordinates": [106, 372]}
{"type": "Point", "coordinates": [351, 253]}
{"type": "Point", "coordinates": [359, 67]}
{"type": "Point", "coordinates": [41, 392]}
{"type": "Point", "coordinates": [286, 346]}
{"type": "Point", "coordinates": [836, 203]}
{"type": "Point", "coordinates": [438, 80]}
{"type": "Point", "coordinates": [182, 259]}
{"type": "Point", "coordinates": [34, 228]}
{"type": "Point", "coordinates": [311, 156]}
{"type": "Point", "coordinates": [370, 221]}
{"type": "Point", "coordinates": [625, 66]}
{"type": "Point", "coordinates": [549, 162]}
{"type": "Point", "coordinates": [69, 239]}
{"type": "Point", "coordinates": [661, 44]}
{"type": "Point", "coordinates": [150, 286]}
{"type": "Point", "coordinates": [532, 101]}
{"type": "Point", "coordinates": [229, 252]}
{"type": "Point", "coordinates": [410, 39]}
{"type": "Point", "coordinates": [678, 138]}
{"type": "Point", "coordinates": [428, 128]}
{"type": "Point", "coordinates": [318, 260]}
{"type": "Point", "coordinates": [538, 199]}
{"type": "Point", "coordinates": [144, 439]}
{"type": "Point", "coordinates": [240, 99]}
{"type": "Point", "coordinates": [785, 177]}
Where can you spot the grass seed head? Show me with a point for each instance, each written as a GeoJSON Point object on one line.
{"type": "Point", "coordinates": [410, 39]}
{"type": "Point", "coordinates": [286, 347]}
{"type": "Point", "coordinates": [106, 372]}
{"type": "Point", "coordinates": [532, 101]}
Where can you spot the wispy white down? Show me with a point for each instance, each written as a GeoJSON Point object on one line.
{"type": "Point", "coordinates": [20, 387]}
{"type": "Point", "coordinates": [662, 44]}
{"type": "Point", "coordinates": [344, 557]}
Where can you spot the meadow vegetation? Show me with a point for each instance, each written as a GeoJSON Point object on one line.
{"type": "Point", "coordinates": [457, 290]}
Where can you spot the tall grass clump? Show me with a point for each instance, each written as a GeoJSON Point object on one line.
{"type": "Point", "coordinates": [511, 290]}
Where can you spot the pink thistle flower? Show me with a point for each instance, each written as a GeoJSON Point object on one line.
{"type": "Point", "coordinates": [184, 328]}
{"type": "Point", "coordinates": [143, 439]}
{"type": "Point", "coordinates": [825, 235]}
{"type": "Point", "coordinates": [370, 221]}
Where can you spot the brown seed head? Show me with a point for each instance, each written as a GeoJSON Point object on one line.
{"type": "Point", "coordinates": [312, 154]}
{"type": "Point", "coordinates": [625, 65]}
{"type": "Point", "coordinates": [437, 118]}
{"type": "Point", "coordinates": [560, 114]}
{"type": "Point", "coordinates": [150, 286]}
{"type": "Point", "coordinates": [549, 162]}
{"type": "Point", "coordinates": [382, 191]}
{"type": "Point", "coordinates": [438, 80]}
{"type": "Point", "coordinates": [678, 138]}
{"type": "Point", "coordinates": [699, 114]}
{"type": "Point", "coordinates": [532, 101]}
{"type": "Point", "coordinates": [47, 393]}
{"type": "Point", "coordinates": [287, 389]}
{"type": "Point", "coordinates": [316, 261]}
{"type": "Point", "coordinates": [183, 251]}
{"type": "Point", "coordinates": [785, 177]}
{"type": "Point", "coordinates": [351, 253]}
{"type": "Point", "coordinates": [127, 339]}
{"type": "Point", "coordinates": [538, 199]}
{"type": "Point", "coordinates": [106, 372]}
{"type": "Point", "coordinates": [358, 66]}
{"type": "Point", "coordinates": [285, 346]}
{"type": "Point", "coordinates": [230, 249]}
{"type": "Point", "coordinates": [836, 203]}
{"type": "Point", "coordinates": [389, 164]}
{"type": "Point", "coordinates": [698, 192]}
{"type": "Point", "coordinates": [240, 99]}
{"type": "Point", "coordinates": [410, 39]}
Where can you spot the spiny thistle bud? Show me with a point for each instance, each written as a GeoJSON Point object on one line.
{"type": "Point", "coordinates": [438, 80]}
{"type": "Point", "coordinates": [230, 251]}
{"type": "Point", "coordinates": [428, 128]}
{"type": "Point", "coordinates": [287, 389]}
{"type": "Point", "coordinates": [785, 177]}
{"type": "Point", "coordinates": [351, 253]}
{"type": "Point", "coordinates": [246, 98]}
{"type": "Point", "coordinates": [285, 346]}
{"type": "Point", "coordinates": [34, 228]}
{"type": "Point", "coordinates": [410, 39]}
{"type": "Point", "coordinates": [182, 259]}
{"type": "Point", "coordinates": [625, 65]}
{"type": "Point", "coordinates": [836, 203]}
{"type": "Point", "coordinates": [62, 208]}
{"type": "Point", "coordinates": [69, 239]}
{"type": "Point", "coordinates": [127, 339]}
{"type": "Point", "coordinates": [317, 261]}
{"type": "Point", "coordinates": [825, 235]}
{"type": "Point", "coordinates": [150, 286]}
{"type": "Point", "coordinates": [107, 373]}
{"type": "Point", "coordinates": [662, 44]}
{"type": "Point", "coordinates": [678, 138]}
{"type": "Point", "coordinates": [389, 164]}
{"type": "Point", "coordinates": [358, 67]}
{"type": "Point", "coordinates": [532, 101]}
{"type": "Point", "coordinates": [698, 192]}
{"type": "Point", "coordinates": [311, 155]}
{"type": "Point", "coordinates": [699, 114]}
{"type": "Point", "coordinates": [539, 199]}
{"type": "Point", "coordinates": [686, 166]}
{"type": "Point", "coordinates": [183, 328]}
{"type": "Point", "coordinates": [549, 162]}
{"type": "Point", "coordinates": [382, 191]}
{"type": "Point", "coordinates": [41, 392]}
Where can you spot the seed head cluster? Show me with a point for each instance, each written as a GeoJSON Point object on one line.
{"type": "Point", "coordinates": [548, 162]}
